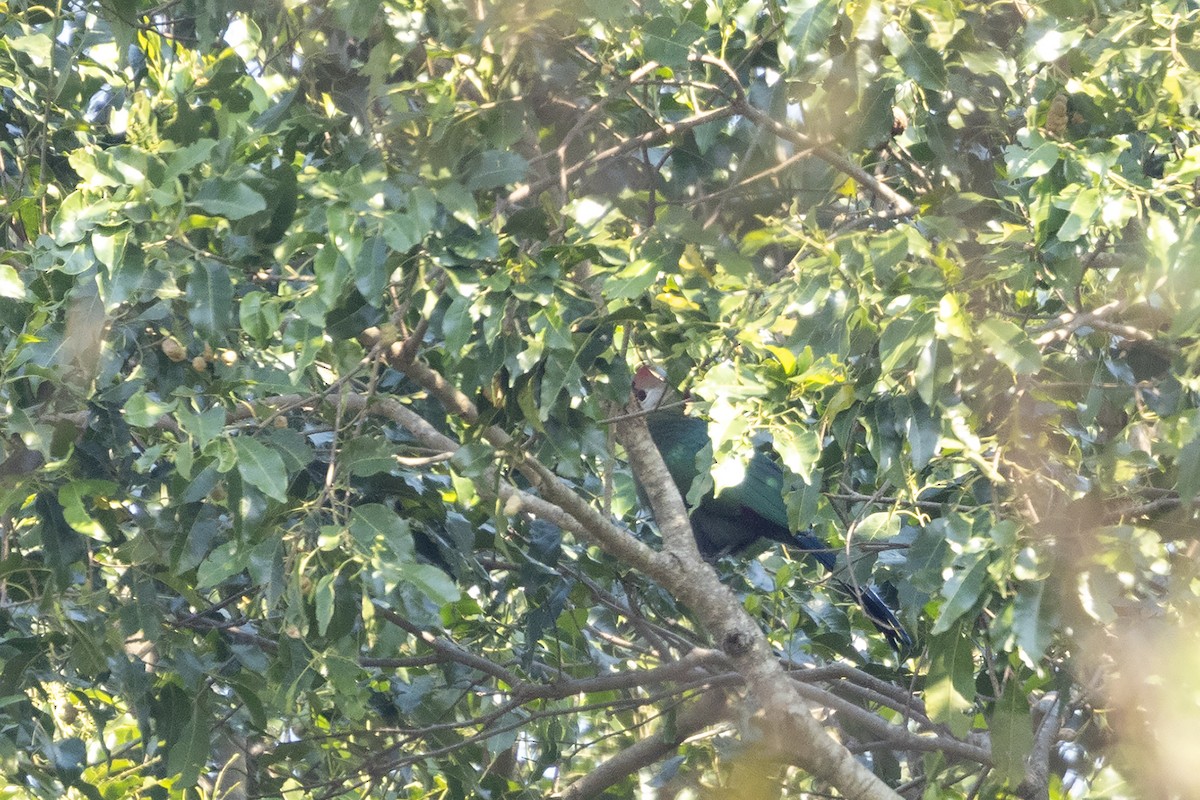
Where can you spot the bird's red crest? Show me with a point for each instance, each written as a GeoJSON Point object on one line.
{"type": "Point", "coordinates": [648, 386]}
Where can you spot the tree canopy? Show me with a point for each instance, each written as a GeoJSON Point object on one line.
{"type": "Point", "coordinates": [317, 327]}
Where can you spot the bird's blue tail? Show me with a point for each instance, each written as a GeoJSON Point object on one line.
{"type": "Point", "coordinates": [871, 603]}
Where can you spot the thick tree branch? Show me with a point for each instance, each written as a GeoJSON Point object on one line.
{"type": "Point", "coordinates": [1036, 785]}
{"type": "Point", "coordinates": [792, 730]}
{"type": "Point", "coordinates": [573, 512]}
{"type": "Point", "coordinates": [679, 569]}
{"type": "Point", "coordinates": [788, 723]}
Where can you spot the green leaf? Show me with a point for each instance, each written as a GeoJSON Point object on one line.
{"type": "Point", "coordinates": [122, 165]}
{"type": "Point", "coordinates": [402, 231]}
{"type": "Point", "coordinates": [75, 512]}
{"type": "Point", "coordinates": [632, 280]}
{"type": "Point", "coordinates": [261, 467]}
{"type": "Point", "coordinates": [247, 691]}
{"type": "Point", "coordinates": [876, 115]}
{"type": "Point", "coordinates": [363, 457]}
{"type": "Point", "coordinates": [205, 426]}
{"type": "Point", "coordinates": [210, 301]}
{"type": "Point", "coordinates": [371, 270]}
{"type": "Point", "coordinates": [963, 589]}
{"type": "Point", "coordinates": [1011, 733]}
{"type": "Point", "coordinates": [268, 120]}
{"type": "Point", "coordinates": [109, 246]}
{"type": "Point", "coordinates": [1010, 345]}
{"type": "Point", "coordinates": [667, 44]}
{"type": "Point", "coordinates": [260, 318]}
{"type": "Point", "coordinates": [293, 447]}
{"type": "Point", "coordinates": [492, 169]}
{"type": "Point", "coordinates": [950, 684]}
{"type": "Point", "coordinates": [144, 411]}
{"type": "Point", "coordinates": [903, 339]}
{"type": "Point", "coordinates": [457, 324]}
{"type": "Point", "coordinates": [1101, 594]}
{"type": "Point", "coordinates": [878, 526]}
{"type": "Point", "coordinates": [431, 582]}
{"type": "Point", "coordinates": [473, 459]}
{"type": "Point", "coordinates": [1031, 625]}
{"type": "Point", "coordinates": [529, 407]}
{"type": "Point", "coordinates": [1187, 468]}
{"type": "Point", "coordinates": [38, 46]}
{"type": "Point", "coordinates": [189, 157]}
{"type": "Point", "coordinates": [460, 203]}
{"type": "Point", "coordinates": [1081, 211]}
{"type": "Point", "coordinates": [11, 284]}
{"type": "Point", "coordinates": [785, 357]}
{"type": "Point", "coordinates": [923, 64]}
{"type": "Point", "coordinates": [185, 459]}
{"type": "Point", "coordinates": [233, 200]}
{"type": "Point", "coordinates": [923, 431]}
{"type": "Point", "coordinates": [1024, 163]}
{"type": "Point", "coordinates": [373, 523]}
{"type": "Point", "coordinates": [809, 30]}
{"type": "Point", "coordinates": [79, 213]}
{"type": "Point", "coordinates": [799, 449]}
{"type": "Point", "coordinates": [323, 597]}
{"type": "Point", "coordinates": [222, 563]}
{"type": "Point", "coordinates": [189, 755]}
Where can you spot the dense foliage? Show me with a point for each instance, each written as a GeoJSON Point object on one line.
{"type": "Point", "coordinates": [317, 325]}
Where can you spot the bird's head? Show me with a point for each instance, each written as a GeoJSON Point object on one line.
{"type": "Point", "coordinates": [649, 387]}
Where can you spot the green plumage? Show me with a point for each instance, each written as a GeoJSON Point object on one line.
{"type": "Point", "coordinates": [753, 510]}
{"type": "Point", "coordinates": [740, 514]}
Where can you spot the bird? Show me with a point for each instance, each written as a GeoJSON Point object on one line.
{"type": "Point", "coordinates": [737, 517]}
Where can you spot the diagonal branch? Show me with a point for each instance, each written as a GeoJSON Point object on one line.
{"type": "Point", "coordinates": [900, 205]}
{"type": "Point", "coordinates": [789, 727]}
{"type": "Point", "coordinates": [710, 709]}
{"type": "Point", "coordinates": [659, 134]}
